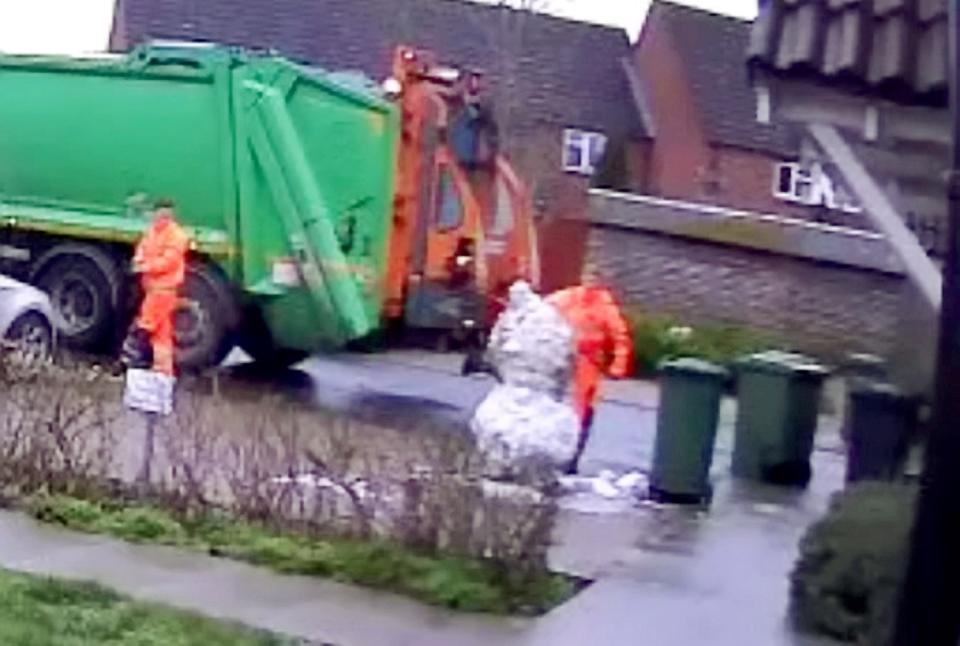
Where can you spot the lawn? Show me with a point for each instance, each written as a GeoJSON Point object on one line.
{"type": "Point", "coordinates": [36, 611]}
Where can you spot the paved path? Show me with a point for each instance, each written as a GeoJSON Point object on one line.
{"type": "Point", "coordinates": [665, 578]}
{"type": "Point", "coordinates": [309, 608]}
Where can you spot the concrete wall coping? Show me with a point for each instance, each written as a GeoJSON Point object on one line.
{"type": "Point", "coordinates": [775, 234]}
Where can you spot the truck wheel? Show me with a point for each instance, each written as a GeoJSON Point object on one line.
{"type": "Point", "coordinates": [205, 319]}
{"type": "Point", "coordinates": [82, 284]}
{"type": "Point", "coordinates": [255, 339]}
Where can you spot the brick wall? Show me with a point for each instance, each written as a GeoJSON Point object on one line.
{"type": "Point", "coordinates": [562, 251]}
{"type": "Point", "coordinates": [560, 199]}
{"type": "Point", "coordinates": [537, 154]}
{"type": "Point", "coordinates": [820, 308]}
{"type": "Point", "coordinates": [680, 147]}
{"type": "Point", "coordinates": [744, 179]}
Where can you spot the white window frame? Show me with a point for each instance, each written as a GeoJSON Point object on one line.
{"type": "Point", "coordinates": [764, 104]}
{"type": "Point", "coordinates": [803, 189]}
{"type": "Point", "coordinates": [592, 146]}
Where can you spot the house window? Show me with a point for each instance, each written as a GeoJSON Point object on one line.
{"type": "Point", "coordinates": [582, 151]}
{"type": "Point", "coordinates": [811, 187]}
{"type": "Point", "coordinates": [792, 184]}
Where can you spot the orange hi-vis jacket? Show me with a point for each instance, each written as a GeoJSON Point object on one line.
{"type": "Point", "coordinates": [161, 259]}
{"type": "Point", "coordinates": [604, 344]}
{"type": "Point", "coordinates": [161, 256]}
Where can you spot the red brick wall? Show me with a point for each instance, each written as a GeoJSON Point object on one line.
{"type": "Point", "coordinates": [563, 247]}
{"type": "Point", "coordinates": [638, 165]}
{"type": "Point", "coordinates": [537, 155]}
{"type": "Point", "coordinates": [679, 147]}
{"type": "Point", "coordinates": [560, 203]}
{"type": "Point", "coordinates": [744, 179]}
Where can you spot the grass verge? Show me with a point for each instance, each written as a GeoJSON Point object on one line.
{"type": "Point", "coordinates": [39, 611]}
{"type": "Point", "coordinates": [474, 586]}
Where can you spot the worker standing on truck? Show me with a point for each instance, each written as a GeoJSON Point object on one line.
{"type": "Point", "coordinates": [603, 347]}
{"type": "Point", "coordinates": [160, 260]}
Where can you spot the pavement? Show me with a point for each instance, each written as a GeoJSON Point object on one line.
{"type": "Point", "coordinates": [663, 576]}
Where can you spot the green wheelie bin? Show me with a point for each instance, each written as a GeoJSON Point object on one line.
{"type": "Point", "coordinates": [882, 420]}
{"type": "Point", "coordinates": [691, 391]}
{"type": "Point", "coordinates": [778, 406]}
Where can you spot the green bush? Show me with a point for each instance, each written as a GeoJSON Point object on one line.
{"type": "Point", "coordinates": [659, 338]}
{"type": "Point", "coordinates": [846, 580]}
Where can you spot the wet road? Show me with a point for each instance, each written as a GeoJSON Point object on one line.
{"type": "Point", "coordinates": [412, 388]}
{"type": "Point", "coordinates": [409, 388]}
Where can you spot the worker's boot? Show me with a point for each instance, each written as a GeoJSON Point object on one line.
{"type": "Point", "coordinates": [574, 467]}
{"type": "Point", "coordinates": [137, 351]}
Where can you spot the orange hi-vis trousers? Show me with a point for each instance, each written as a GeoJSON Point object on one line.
{"type": "Point", "coordinates": [156, 318]}
{"type": "Point", "coordinates": [587, 378]}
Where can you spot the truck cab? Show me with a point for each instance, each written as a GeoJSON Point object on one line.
{"type": "Point", "coordinates": [462, 226]}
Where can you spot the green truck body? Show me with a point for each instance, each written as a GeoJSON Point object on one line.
{"type": "Point", "coordinates": [283, 175]}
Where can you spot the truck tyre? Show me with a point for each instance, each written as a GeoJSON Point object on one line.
{"type": "Point", "coordinates": [205, 319]}
{"type": "Point", "coordinates": [83, 284]}
{"type": "Point", "coordinates": [255, 339]}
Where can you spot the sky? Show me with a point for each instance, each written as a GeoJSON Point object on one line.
{"type": "Point", "coordinates": [83, 26]}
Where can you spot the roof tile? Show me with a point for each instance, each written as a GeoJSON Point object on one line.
{"type": "Point", "coordinates": [901, 47]}
{"type": "Point", "coordinates": [843, 53]}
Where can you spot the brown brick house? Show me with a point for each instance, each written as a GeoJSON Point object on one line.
{"type": "Point", "coordinates": [707, 144]}
{"type": "Point", "coordinates": [560, 87]}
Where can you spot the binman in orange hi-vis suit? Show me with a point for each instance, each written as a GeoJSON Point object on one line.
{"type": "Point", "coordinates": [604, 347]}
{"type": "Point", "coordinates": [161, 259]}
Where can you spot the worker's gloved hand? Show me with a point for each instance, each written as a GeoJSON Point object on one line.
{"type": "Point", "coordinates": [618, 370]}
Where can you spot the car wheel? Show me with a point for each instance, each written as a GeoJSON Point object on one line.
{"type": "Point", "coordinates": [82, 294]}
{"type": "Point", "coordinates": [31, 336]}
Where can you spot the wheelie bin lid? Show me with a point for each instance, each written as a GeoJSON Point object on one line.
{"type": "Point", "coordinates": [881, 391]}
{"type": "Point", "coordinates": [783, 363]}
{"type": "Point", "coordinates": [693, 366]}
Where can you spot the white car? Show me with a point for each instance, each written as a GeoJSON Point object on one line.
{"type": "Point", "coordinates": [26, 319]}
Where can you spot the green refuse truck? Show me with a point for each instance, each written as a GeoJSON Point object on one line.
{"type": "Point", "coordinates": [285, 176]}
